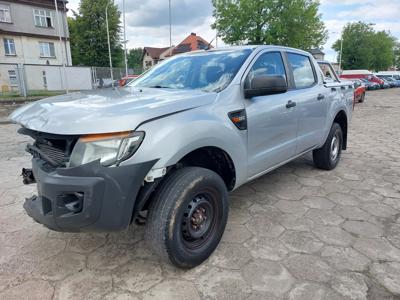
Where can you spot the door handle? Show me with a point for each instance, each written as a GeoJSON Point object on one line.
{"type": "Point", "coordinates": [290, 104]}
{"type": "Point", "coordinates": [333, 89]}
{"type": "Point", "coordinates": [320, 97]}
{"type": "Point", "coordinates": [343, 87]}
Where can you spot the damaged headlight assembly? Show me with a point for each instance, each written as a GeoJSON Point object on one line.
{"type": "Point", "coordinates": [110, 148]}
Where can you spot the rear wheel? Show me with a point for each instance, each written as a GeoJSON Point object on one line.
{"type": "Point", "coordinates": [188, 216]}
{"type": "Point", "coordinates": [327, 157]}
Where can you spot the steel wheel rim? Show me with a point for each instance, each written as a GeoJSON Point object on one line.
{"type": "Point", "coordinates": [335, 147]}
{"type": "Point", "coordinates": [199, 220]}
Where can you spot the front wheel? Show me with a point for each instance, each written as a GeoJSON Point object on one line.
{"type": "Point", "coordinates": [188, 216]}
{"type": "Point", "coordinates": [327, 157]}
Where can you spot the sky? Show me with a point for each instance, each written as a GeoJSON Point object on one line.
{"type": "Point", "coordinates": [147, 22]}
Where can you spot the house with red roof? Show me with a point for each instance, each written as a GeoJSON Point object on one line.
{"type": "Point", "coordinates": [193, 42]}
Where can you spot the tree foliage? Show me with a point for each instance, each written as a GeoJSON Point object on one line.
{"type": "Point", "coordinates": [135, 58]}
{"type": "Point", "coordinates": [364, 48]}
{"type": "Point", "coordinates": [294, 23]}
{"type": "Point", "coordinates": [88, 34]}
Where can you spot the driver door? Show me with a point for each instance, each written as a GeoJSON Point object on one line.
{"type": "Point", "coordinates": [272, 119]}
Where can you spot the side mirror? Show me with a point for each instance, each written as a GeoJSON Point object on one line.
{"type": "Point", "coordinates": [265, 85]}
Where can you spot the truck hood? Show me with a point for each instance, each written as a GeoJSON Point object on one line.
{"type": "Point", "coordinates": [122, 109]}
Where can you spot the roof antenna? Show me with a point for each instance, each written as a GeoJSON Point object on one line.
{"type": "Point", "coordinates": [209, 44]}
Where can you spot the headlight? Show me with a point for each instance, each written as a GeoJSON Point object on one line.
{"type": "Point", "coordinates": [110, 148]}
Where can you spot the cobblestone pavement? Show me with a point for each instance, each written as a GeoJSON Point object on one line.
{"type": "Point", "coordinates": [297, 233]}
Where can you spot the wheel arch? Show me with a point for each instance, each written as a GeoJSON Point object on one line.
{"type": "Point", "coordinates": [341, 119]}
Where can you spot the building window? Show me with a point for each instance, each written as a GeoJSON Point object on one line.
{"type": "Point", "coordinates": [9, 47]}
{"type": "Point", "coordinates": [12, 75]}
{"type": "Point", "coordinates": [5, 15]}
{"type": "Point", "coordinates": [47, 49]}
{"type": "Point", "coordinates": [43, 18]}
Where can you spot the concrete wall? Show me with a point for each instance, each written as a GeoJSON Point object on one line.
{"type": "Point", "coordinates": [51, 78]}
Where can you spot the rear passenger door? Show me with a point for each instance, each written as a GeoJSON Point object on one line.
{"type": "Point", "coordinates": [311, 99]}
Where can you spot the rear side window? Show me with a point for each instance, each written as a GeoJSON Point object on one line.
{"type": "Point", "coordinates": [268, 64]}
{"type": "Point", "coordinates": [302, 70]}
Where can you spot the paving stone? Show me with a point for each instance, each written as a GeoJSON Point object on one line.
{"type": "Point", "coordinates": [42, 249]}
{"type": "Point", "coordinates": [236, 233]}
{"type": "Point", "coordinates": [361, 228]}
{"type": "Point", "coordinates": [380, 210]}
{"type": "Point", "coordinates": [299, 241]}
{"type": "Point", "coordinates": [342, 258]}
{"type": "Point", "coordinates": [318, 202]}
{"type": "Point", "coordinates": [85, 243]}
{"type": "Point", "coordinates": [351, 286]}
{"type": "Point", "coordinates": [60, 266]}
{"type": "Point", "coordinates": [387, 274]}
{"type": "Point", "coordinates": [268, 276]}
{"type": "Point", "coordinates": [32, 290]}
{"type": "Point", "coordinates": [221, 284]}
{"type": "Point", "coordinates": [84, 285]}
{"type": "Point", "coordinates": [129, 236]}
{"type": "Point", "coordinates": [264, 227]}
{"type": "Point", "coordinates": [171, 290]}
{"type": "Point", "coordinates": [230, 256]}
{"type": "Point", "coordinates": [333, 235]}
{"type": "Point", "coordinates": [377, 249]}
{"type": "Point", "coordinates": [343, 199]}
{"type": "Point", "coordinates": [266, 248]}
{"type": "Point", "coordinates": [393, 234]}
{"type": "Point", "coordinates": [291, 207]}
{"type": "Point", "coordinates": [324, 217]}
{"type": "Point", "coordinates": [312, 291]}
{"type": "Point", "coordinates": [138, 276]}
{"type": "Point", "coordinates": [120, 296]}
{"type": "Point", "coordinates": [351, 213]}
{"type": "Point", "coordinates": [308, 267]}
{"type": "Point", "coordinates": [110, 256]}
{"type": "Point", "coordinates": [294, 222]}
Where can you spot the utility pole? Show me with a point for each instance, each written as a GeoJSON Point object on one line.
{"type": "Point", "coordinates": [170, 26]}
{"type": "Point", "coordinates": [61, 48]}
{"type": "Point", "coordinates": [125, 41]}
{"type": "Point", "coordinates": [340, 57]}
{"type": "Point", "coordinates": [109, 47]}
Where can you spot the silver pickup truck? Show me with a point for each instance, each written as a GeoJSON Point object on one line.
{"type": "Point", "coordinates": [168, 148]}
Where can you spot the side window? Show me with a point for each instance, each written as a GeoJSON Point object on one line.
{"type": "Point", "coordinates": [269, 64]}
{"type": "Point", "coordinates": [302, 70]}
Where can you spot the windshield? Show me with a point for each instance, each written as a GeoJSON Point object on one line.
{"type": "Point", "coordinates": [207, 71]}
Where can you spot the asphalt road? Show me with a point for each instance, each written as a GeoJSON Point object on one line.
{"type": "Point", "coordinates": [297, 233]}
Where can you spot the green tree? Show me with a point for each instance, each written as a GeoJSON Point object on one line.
{"type": "Point", "coordinates": [363, 48]}
{"type": "Point", "coordinates": [135, 58]}
{"type": "Point", "coordinates": [294, 23]}
{"type": "Point", "coordinates": [88, 34]}
{"type": "Point", "coordinates": [396, 60]}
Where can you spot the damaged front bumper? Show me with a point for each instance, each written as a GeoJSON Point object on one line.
{"type": "Point", "coordinates": [86, 198]}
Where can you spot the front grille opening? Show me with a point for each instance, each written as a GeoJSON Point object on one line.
{"type": "Point", "coordinates": [54, 150]}
{"type": "Point", "coordinates": [46, 206]}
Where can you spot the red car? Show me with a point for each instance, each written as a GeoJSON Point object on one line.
{"type": "Point", "coordinates": [359, 91]}
{"type": "Point", "coordinates": [125, 80]}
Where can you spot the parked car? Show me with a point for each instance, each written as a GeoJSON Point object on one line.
{"type": "Point", "coordinates": [370, 85]}
{"type": "Point", "coordinates": [358, 74]}
{"type": "Point", "coordinates": [127, 79]}
{"type": "Point", "coordinates": [171, 146]}
{"type": "Point", "coordinates": [390, 80]}
{"type": "Point", "coordinates": [392, 74]}
{"type": "Point", "coordinates": [359, 91]}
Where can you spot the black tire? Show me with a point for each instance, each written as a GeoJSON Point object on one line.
{"type": "Point", "coordinates": [187, 217]}
{"type": "Point", "coordinates": [362, 98]}
{"type": "Point", "coordinates": [328, 156]}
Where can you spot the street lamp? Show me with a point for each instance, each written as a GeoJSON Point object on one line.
{"type": "Point", "coordinates": [341, 49]}
{"type": "Point", "coordinates": [61, 47]}
{"type": "Point", "coordinates": [125, 41]}
{"type": "Point", "coordinates": [109, 47]}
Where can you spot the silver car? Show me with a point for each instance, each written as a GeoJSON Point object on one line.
{"type": "Point", "coordinates": [168, 148]}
